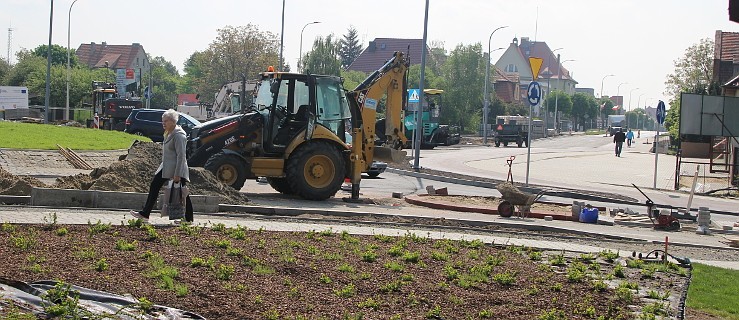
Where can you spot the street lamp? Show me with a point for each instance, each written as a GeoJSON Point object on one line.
{"type": "Point", "coordinates": [47, 98]}
{"type": "Point", "coordinates": [618, 91]}
{"type": "Point", "coordinates": [601, 94]}
{"type": "Point", "coordinates": [638, 101]}
{"type": "Point", "coordinates": [485, 105]}
{"type": "Point", "coordinates": [69, 23]}
{"type": "Point", "coordinates": [549, 91]}
{"type": "Point", "coordinates": [632, 90]}
{"type": "Point", "coordinates": [556, 97]}
{"type": "Point", "coordinates": [282, 35]}
{"type": "Point", "coordinates": [300, 58]}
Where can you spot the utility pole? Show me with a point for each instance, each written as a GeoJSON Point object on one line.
{"type": "Point", "coordinates": [47, 102]}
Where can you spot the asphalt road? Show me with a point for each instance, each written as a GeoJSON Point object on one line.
{"type": "Point", "coordinates": [578, 162]}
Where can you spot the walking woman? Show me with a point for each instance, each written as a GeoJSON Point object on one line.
{"type": "Point", "coordinates": [173, 166]}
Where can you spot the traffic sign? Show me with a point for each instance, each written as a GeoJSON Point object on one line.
{"type": "Point", "coordinates": [535, 64]}
{"type": "Point", "coordinates": [414, 95]}
{"type": "Point", "coordinates": [661, 112]}
{"type": "Point", "coordinates": [534, 93]}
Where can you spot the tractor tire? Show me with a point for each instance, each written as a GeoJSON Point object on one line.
{"type": "Point", "coordinates": [315, 170]}
{"type": "Point", "coordinates": [505, 144]}
{"type": "Point", "coordinates": [497, 144]}
{"type": "Point", "coordinates": [228, 169]}
{"type": "Point", "coordinates": [519, 142]}
{"type": "Point", "coordinates": [674, 225]}
{"type": "Point", "coordinates": [280, 185]}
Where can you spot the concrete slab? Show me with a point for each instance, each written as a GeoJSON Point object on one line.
{"type": "Point", "coordinates": [68, 198]}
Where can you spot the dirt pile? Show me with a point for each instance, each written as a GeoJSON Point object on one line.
{"type": "Point", "coordinates": [17, 185]}
{"type": "Point", "coordinates": [133, 174]}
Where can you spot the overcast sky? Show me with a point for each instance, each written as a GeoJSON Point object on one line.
{"type": "Point", "coordinates": [637, 41]}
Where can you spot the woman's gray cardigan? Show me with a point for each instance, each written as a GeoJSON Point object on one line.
{"type": "Point", "coordinates": [174, 158]}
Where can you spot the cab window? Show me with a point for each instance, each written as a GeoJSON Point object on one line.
{"type": "Point", "coordinates": [331, 105]}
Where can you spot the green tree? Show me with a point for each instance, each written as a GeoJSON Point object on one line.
{"type": "Point", "coordinates": [4, 70]}
{"type": "Point", "coordinates": [324, 57]}
{"type": "Point", "coordinates": [349, 47]}
{"type": "Point", "coordinates": [562, 101]}
{"type": "Point", "coordinates": [164, 80]}
{"type": "Point", "coordinates": [584, 106]}
{"type": "Point", "coordinates": [236, 51]}
{"type": "Point", "coordinates": [463, 71]}
{"type": "Point", "coordinates": [693, 73]}
{"type": "Point", "coordinates": [58, 54]}
{"type": "Point", "coordinates": [352, 78]}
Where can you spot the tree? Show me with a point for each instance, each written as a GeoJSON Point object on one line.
{"type": "Point", "coordinates": [236, 51]}
{"type": "Point", "coordinates": [4, 70]}
{"type": "Point", "coordinates": [464, 71]}
{"type": "Point", "coordinates": [324, 57]}
{"type": "Point", "coordinates": [352, 78]}
{"type": "Point", "coordinates": [561, 100]}
{"type": "Point", "coordinates": [58, 54]}
{"type": "Point", "coordinates": [164, 81]}
{"type": "Point", "coordinates": [693, 73]}
{"type": "Point", "coordinates": [584, 106]}
{"type": "Point", "coordinates": [349, 47]}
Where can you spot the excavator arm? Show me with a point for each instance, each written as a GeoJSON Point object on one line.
{"type": "Point", "coordinates": [388, 81]}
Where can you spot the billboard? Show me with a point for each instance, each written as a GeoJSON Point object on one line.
{"type": "Point", "coordinates": [13, 98]}
{"type": "Point", "coordinates": [125, 77]}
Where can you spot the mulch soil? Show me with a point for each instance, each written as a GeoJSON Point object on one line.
{"type": "Point", "coordinates": [254, 274]}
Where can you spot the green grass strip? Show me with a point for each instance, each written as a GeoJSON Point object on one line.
{"type": "Point", "coordinates": [17, 135]}
{"type": "Point", "coordinates": [715, 290]}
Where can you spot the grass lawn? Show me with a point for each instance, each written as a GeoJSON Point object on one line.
{"type": "Point", "coordinates": [715, 290]}
{"type": "Point", "coordinates": [18, 135]}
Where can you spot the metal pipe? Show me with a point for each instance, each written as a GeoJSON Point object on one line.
{"type": "Point", "coordinates": [69, 24]}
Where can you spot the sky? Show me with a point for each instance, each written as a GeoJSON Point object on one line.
{"type": "Point", "coordinates": [636, 41]}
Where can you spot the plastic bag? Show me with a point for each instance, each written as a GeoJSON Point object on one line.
{"type": "Point", "coordinates": [174, 200]}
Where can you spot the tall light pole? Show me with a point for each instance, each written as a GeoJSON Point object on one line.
{"type": "Point", "coordinates": [69, 24]}
{"type": "Point", "coordinates": [638, 101]}
{"type": "Point", "coordinates": [556, 97]}
{"type": "Point", "coordinates": [300, 58]}
{"type": "Point", "coordinates": [601, 96]}
{"type": "Point", "coordinates": [282, 35]}
{"type": "Point", "coordinates": [485, 104]}
{"type": "Point", "coordinates": [419, 113]}
{"type": "Point", "coordinates": [549, 91]}
{"type": "Point", "coordinates": [48, 67]}
{"type": "Point", "coordinates": [618, 91]}
{"type": "Point", "coordinates": [632, 90]}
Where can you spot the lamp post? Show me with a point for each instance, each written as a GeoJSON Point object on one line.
{"type": "Point", "coordinates": [556, 97]}
{"type": "Point", "coordinates": [549, 91]}
{"type": "Point", "coordinates": [485, 104]}
{"type": "Point", "coordinates": [601, 96]}
{"type": "Point", "coordinates": [69, 24]}
{"type": "Point", "coordinates": [282, 35]}
{"type": "Point", "coordinates": [638, 101]}
{"type": "Point", "coordinates": [632, 90]}
{"type": "Point", "coordinates": [300, 58]}
{"type": "Point", "coordinates": [618, 91]}
{"type": "Point", "coordinates": [48, 67]}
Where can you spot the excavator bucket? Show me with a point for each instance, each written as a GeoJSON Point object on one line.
{"type": "Point", "coordinates": [389, 154]}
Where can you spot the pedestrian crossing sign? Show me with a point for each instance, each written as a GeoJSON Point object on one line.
{"type": "Point", "coordinates": [414, 95]}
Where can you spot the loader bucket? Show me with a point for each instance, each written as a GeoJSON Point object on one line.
{"type": "Point", "coordinates": [389, 155]}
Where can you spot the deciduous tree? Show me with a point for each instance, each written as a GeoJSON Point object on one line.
{"type": "Point", "coordinates": [324, 57]}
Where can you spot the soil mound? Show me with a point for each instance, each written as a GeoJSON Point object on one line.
{"type": "Point", "coordinates": [17, 185]}
{"type": "Point", "coordinates": [132, 174]}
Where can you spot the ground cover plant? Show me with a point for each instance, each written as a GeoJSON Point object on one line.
{"type": "Point", "coordinates": [19, 135]}
{"type": "Point", "coordinates": [234, 273]}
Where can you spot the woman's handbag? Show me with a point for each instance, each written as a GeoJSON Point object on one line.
{"type": "Point", "coordinates": [174, 200]}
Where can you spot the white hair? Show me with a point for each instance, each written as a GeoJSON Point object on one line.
{"type": "Point", "coordinates": [171, 114]}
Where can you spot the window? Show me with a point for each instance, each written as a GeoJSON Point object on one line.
{"type": "Point", "coordinates": [331, 104]}
{"type": "Point", "coordinates": [511, 68]}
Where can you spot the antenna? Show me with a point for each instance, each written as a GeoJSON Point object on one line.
{"type": "Point", "coordinates": [10, 43]}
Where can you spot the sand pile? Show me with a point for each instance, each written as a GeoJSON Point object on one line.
{"type": "Point", "coordinates": [17, 185]}
{"type": "Point", "coordinates": [133, 174]}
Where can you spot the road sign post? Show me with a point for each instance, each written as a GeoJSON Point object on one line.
{"type": "Point", "coordinates": [534, 97]}
{"type": "Point", "coordinates": [414, 103]}
{"type": "Point", "coordinates": [661, 113]}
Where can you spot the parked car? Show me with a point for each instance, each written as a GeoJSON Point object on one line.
{"type": "Point", "coordinates": [148, 123]}
{"type": "Point", "coordinates": [376, 168]}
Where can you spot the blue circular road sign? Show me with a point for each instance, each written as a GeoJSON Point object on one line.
{"type": "Point", "coordinates": [661, 112]}
{"type": "Point", "coordinates": [534, 93]}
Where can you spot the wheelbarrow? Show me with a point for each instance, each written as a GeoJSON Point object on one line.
{"type": "Point", "coordinates": [515, 201]}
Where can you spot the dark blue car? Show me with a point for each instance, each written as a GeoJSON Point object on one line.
{"type": "Point", "coordinates": [148, 123]}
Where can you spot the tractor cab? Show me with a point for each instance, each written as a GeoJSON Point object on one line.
{"type": "Point", "coordinates": [430, 118]}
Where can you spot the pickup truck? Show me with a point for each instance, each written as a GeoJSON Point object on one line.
{"type": "Point", "coordinates": [506, 133]}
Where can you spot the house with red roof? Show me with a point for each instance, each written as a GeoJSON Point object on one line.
{"type": "Point", "coordinates": [379, 50]}
{"type": "Point", "coordinates": [127, 61]}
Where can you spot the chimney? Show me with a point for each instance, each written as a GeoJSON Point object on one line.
{"type": "Point", "coordinates": [372, 47]}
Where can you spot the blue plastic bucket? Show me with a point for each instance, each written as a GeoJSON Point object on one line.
{"type": "Point", "coordinates": [589, 215]}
